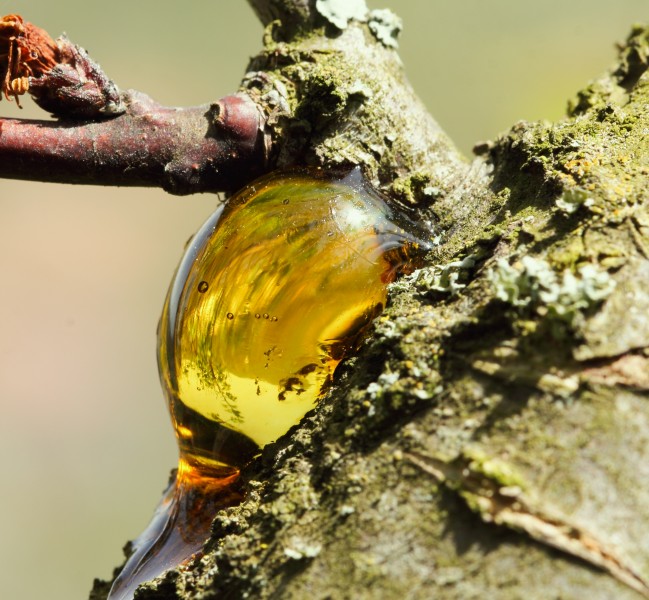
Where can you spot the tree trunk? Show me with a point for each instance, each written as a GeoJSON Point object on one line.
{"type": "Point", "coordinates": [489, 438]}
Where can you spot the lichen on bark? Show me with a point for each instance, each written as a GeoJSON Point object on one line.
{"type": "Point", "coordinates": [477, 446]}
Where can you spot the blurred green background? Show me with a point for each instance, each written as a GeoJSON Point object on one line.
{"type": "Point", "coordinates": [85, 442]}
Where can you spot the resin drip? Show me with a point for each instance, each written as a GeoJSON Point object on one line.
{"type": "Point", "coordinates": [273, 292]}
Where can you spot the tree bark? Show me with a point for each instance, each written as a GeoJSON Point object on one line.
{"type": "Point", "coordinates": [490, 439]}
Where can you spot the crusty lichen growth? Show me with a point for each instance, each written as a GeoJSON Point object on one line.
{"type": "Point", "coordinates": [496, 422]}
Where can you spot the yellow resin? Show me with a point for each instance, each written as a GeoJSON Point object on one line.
{"type": "Point", "coordinates": [272, 293]}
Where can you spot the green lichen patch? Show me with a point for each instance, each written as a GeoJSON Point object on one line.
{"type": "Point", "coordinates": [533, 284]}
{"type": "Point", "coordinates": [585, 166]}
{"type": "Point", "coordinates": [440, 279]}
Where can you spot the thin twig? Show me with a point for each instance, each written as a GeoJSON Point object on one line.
{"type": "Point", "coordinates": [107, 137]}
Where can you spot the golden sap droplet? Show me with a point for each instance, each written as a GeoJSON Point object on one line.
{"type": "Point", "coordinates": [317, 250]}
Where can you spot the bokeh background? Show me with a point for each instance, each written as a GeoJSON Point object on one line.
{"type": "Point", "coordinates": [85, 442]}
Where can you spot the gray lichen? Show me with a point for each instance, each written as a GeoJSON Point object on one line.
{"type": "Point", "coordinates": [386, 26]}
{"type": "Point", "coordinates": [447, 278]}
{"type": "Point", "coordinates": [572, 199]}
{"type": "Point", "coordinates": [340, 12]}
{"type": "Point", "coordinates": [532, 282]}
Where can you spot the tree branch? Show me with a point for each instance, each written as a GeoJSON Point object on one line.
{"type": "Point", "coordinates": [183, 150]}
{"type": "Point", "coordinates": [106, 137]}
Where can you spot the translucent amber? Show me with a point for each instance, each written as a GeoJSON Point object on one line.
{"type": "Point", "coordinates": [273, 291]}
{"type": "Point", "coordinates": [277, 287]}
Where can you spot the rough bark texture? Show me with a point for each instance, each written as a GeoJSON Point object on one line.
{"type": "Point", "coordinates": [491, 439]}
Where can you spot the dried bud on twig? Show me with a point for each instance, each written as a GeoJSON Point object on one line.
{"type": "Point", "coordinates": [60, 76]}
{"type": "Point", "coordinates": [76, 87]}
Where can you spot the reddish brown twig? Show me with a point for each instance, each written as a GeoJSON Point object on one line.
{"type": "Point", "coordinates": [205, 148]}
{"type": "Point", "coordinates": [106, 137]}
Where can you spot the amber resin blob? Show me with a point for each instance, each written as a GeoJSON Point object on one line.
{"type": "Point", "coordinates": [277, 287]}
